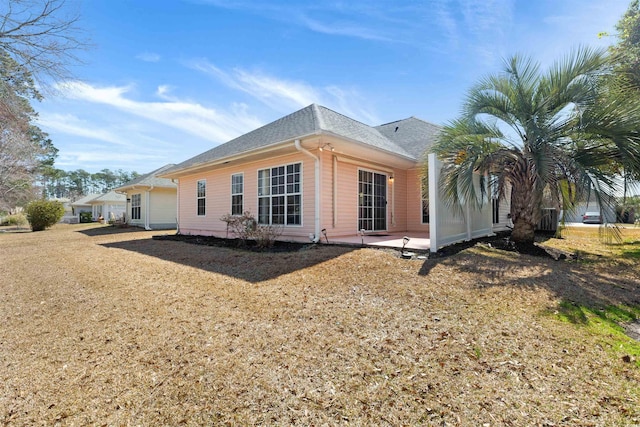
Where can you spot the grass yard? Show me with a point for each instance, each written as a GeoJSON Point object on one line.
{"type": "Point", "coordinates": [106, 326]}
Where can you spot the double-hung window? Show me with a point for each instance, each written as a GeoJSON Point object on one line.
{"type": "Point", "coordinates": [136, 203]}
{"type": "Point", "coordinates": [237, 194]}
{"type": "Point", "coordinates": [280, 195]}
{"type": "Point", "coordinates": [201, 196]}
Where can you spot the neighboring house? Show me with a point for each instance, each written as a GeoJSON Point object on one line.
{"type": "Point", "coordinates": [151, 201]}
{"type": "Point", "coordinates": [312, 171]}
{"type": "Point", "coordinates": [108, 206]}
{"type": "Point", "coordinates": [83, 205]}
{"type": "Point", "coordinates": [68, 209]}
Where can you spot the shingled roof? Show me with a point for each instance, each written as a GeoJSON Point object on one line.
{"type": "Point", "coordinates": [316, 119]}
{"type": "Point", "coordinates": [412, 134]}
{"type": "Point", "coordinates": [151, 179]}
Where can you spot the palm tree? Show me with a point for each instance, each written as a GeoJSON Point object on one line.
{"type": "Point", "coordinates": [556, 135]}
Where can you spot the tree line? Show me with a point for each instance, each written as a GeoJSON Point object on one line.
{"type": "Point", "coordinates": [38, 42]}
{"type": "Point", "coordinates": [57, 183]}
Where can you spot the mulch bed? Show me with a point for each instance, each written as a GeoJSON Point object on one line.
{"type": "Point", "coordinates": [500, 241]}
{"type": "Point", "coordinates": [250, 245]}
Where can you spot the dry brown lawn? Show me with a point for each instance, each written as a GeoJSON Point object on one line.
{"type": "Point", "coordinates": [100, 326]}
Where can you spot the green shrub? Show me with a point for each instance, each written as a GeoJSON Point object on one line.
{"type": "Point", "coordinates": [17, 220]}
{"type": "Point", "coordinates": [86, 217]}
{"type": "Point", "coordinates": [44, 213]}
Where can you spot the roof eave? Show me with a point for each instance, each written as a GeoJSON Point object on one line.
{"type": "Point", "coordinates": [224, 160]}
{"type": "Point", "coordinates": [373, 147]}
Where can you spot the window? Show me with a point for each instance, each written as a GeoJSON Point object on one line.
{"type": "Point", "coordinates": [136, 202]}
{"type": "Point", "coordinates": [495, 200]}
{"type": "Point", "coordinates": [425, 211]}
{"type": "Point", "coordinates": [201, 196]}
{"type": "Point", "coordinates": [495, 204]}
{"type": "Point", "coordinates": [425, 198]}
{"type": "Point", "coordinates": [237, 190]}
{"type": "Point", "coordinates": [279, 195]}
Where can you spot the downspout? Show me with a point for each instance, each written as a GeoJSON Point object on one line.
{"type": "Point", "coordinates": [147, 213]}
{"type": "Point", "coordinates": [316, 236]}
{"type": "Point", "coordinates": [335, 190]}
{"type": "Point", "coordinates": [175, 181]}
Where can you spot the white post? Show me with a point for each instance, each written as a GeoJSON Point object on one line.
{"type": "Point", "coordinates": [434, 216]}
{"type": "Point", "coordinates": [467, 218]}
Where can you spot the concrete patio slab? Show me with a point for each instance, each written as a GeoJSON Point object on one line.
{"type": "Point", "coordinates": [417, 241]}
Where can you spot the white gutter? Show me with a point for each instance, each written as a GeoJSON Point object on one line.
{"type": "Point", "coordinates": [335, 190]}
{"type": "Point", "coordinates": [177, 204]}
{"type": "Point", "coordinates": [147, 213]}
{"type": "Point", "coordinates": [316, 236]}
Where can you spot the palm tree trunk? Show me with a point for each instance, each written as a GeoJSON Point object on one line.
{"type": "Point", "coordinates": [525, 204]}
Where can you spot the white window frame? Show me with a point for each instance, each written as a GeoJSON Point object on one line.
{"type": "Point", "coordinates": [372, 207]}
{"type": "Point", "coordinates": [424, 202]}
{"type": "Point", "coordinates": [136, 205]}
{"type": "Point", "coordinates": [267, 193]}
{"type": "Point", "coordinates": [237, 193]}
{"type": "Point", "coordinates": [202, 197]}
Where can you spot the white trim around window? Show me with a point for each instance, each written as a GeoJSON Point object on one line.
{"type": "Point", "coordinates": [136, 206]}
{"type": "Point", "coordinates": [237, 193]}
{"type": "Point", "coordinates": [280, 195]}
{"type": "Point", "coordinates": [201, 197]}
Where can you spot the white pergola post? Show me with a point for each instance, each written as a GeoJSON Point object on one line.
{"type": "Point", "coordinates": [434, 201]}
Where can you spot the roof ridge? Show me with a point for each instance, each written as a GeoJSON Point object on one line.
{"type": "Point", "coordinates": [408, 118]}
{"type": "Point", "coordinates": [344, 115]}
{"type": "Point", "coordinates": [167, 166]}
{"type": "Point", "coordinates": [317, 116]}
{"type": "Point", "coordinates": [394, 121]}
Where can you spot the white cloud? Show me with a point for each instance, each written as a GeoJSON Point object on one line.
{"type": "Point", "coordinates": [148, 57]}
{"type": "Point", "coordinates": [358, 19]}
{"type": "Point", "coordinates": [288, 95]}
{"type": "Point", "coordinates": [72, 125]}
{"type": "Point", "coordinates": [189, 117]}
{"type": "Point", "coordinates": [93, 158]}
{"type": "Point", "coordinates": [343, 29]}
{"type": "Point", "coordinates": [275, 91]}
{"type": "Point", "coordinates": [163, 92]}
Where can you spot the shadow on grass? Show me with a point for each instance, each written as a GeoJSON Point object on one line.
{"type": "Point", "coordinates": [594, 286]}
{"type": "Point", "coordinates": [104, 230]}
{"type": "Point", "coordinates": [251, 266]}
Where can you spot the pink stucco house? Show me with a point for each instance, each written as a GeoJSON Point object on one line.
{"type": "Point", "coordinates": [310, 171]}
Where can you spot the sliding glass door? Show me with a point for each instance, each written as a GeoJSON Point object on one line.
{"type": "Point", "coordinates": [372, 201]}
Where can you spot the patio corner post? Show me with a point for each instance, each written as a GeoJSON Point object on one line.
{"type": "Point", "coordinates": [434, 195]}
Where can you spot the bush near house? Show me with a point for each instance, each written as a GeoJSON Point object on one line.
{"type": "Point", "coordinates": [245, 227]}
{"type": "Point", "coordinates": [44, 213]}
{"type": "Point", "coordinates": [17, 220]}
{"type": "Point", "coordinates": [86, 217]}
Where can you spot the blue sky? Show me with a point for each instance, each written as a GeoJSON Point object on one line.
{"type": "Point", "coordinates": [167, 80]}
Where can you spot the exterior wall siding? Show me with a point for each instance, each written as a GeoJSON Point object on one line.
{"type": "Point", "coordinates": [346, 212]}
{"type": "Point", "coordinates": [347, 199]}
{"type": "Point", "coordinates": [414, 202]}
{"type": "Point", "coordinates": [163, 208]}
{"type": "Point", "coordinates": [398, 196]}
{"type": "Point", "coordinates": [338, 196]}
{"type": "Point", "coordinates": [218, 197]}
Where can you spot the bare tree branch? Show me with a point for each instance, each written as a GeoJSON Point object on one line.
{"type": "Point", "coordinates": [42, 36]}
